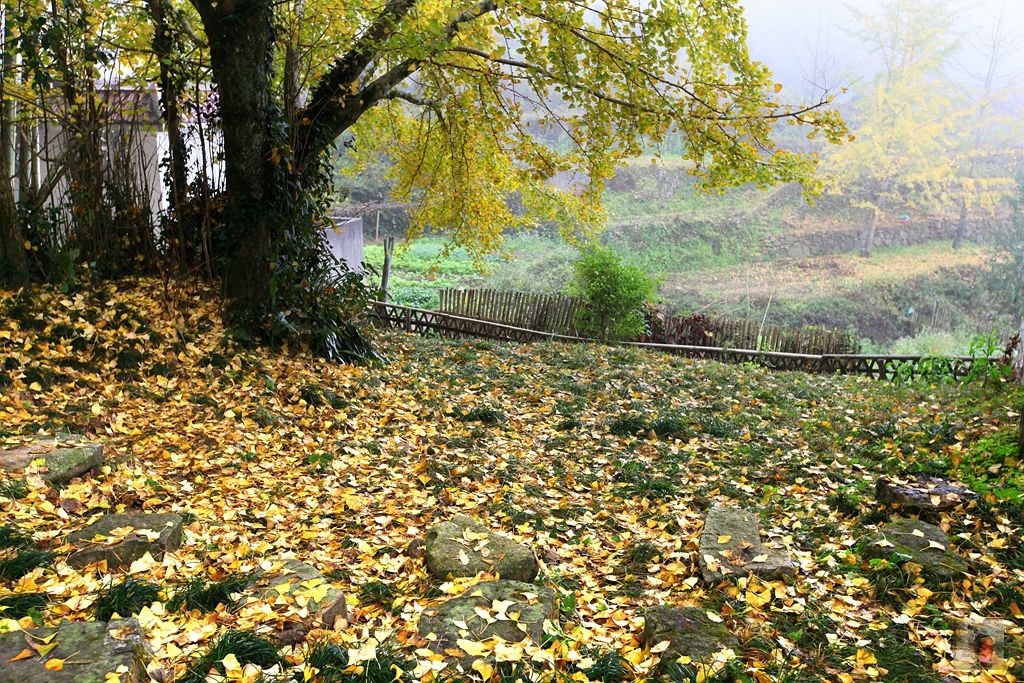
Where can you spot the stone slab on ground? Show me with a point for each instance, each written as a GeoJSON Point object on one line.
{"type": "Point", "coordinates": [458, 618]}
{"type": "Point", "coordinates": [64, 457]}
{"type": "Point", "coordinates": [464, 547]}
{"type": "Point", "coordinates": [730, 545]}
{"type": "Point", "coordinates": [915, 541]}
{"type": "Point", "coordinates": [925, 493]}
{"type": "Point", "coordinates": [91, 650]}
{"type": "Point", "coordinates": [152, 533]}
{"type": "Point", "coordinates": [302, 585]}
{"type": "Point", "coordinates": [689, 632]}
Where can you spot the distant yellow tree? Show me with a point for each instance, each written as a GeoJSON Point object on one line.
{"type": "Point", "coordinates": [903, 122]}
{"type": "Point", "coordinates": [988, 142]}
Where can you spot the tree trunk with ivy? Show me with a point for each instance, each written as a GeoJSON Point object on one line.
{"type": "Point", "coordinates": [241, 36]}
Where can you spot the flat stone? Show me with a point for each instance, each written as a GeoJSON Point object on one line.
{"type": "Point", "coordinates": [301, 584]}
{"type": "Point", "coordinates": [925, 493]}
{"type": "Point", "coordinates": [167, 528]}
{"type": "Point", "coordinates": [91, 650]}
{"type": "Point", "coordinates": [911, 540]}
{"type": "Point", "coordinates": [64, 457]}
{"type": "Point", "coordinates": [689, 632]}
{"type": "Point", "coordinates": [463, 547]}
{"type": "Point", "coordinates": [730, 545]}
{"type": "Point", "coordinates": [456, 619]}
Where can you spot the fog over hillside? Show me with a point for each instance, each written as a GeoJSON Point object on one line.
{"type": "Point", "coordinates": [808, 46]}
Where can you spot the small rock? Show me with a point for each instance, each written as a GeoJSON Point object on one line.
{"type": "Point", "coordinates": [915, 541]}
{"type": "Point", "coordinates": [690, 633]}
{"type": "Point", "coordinates": [91, 650]}
{"type": "Point", "coordinates": [730, 545]}
{"type": "Point", "coordinates": [300, 583]}
{"type": "Point", "coordinates": [922, 494]}
{"type": "Point", "coordinates": [463, 547]}
{"type": "Point", "coordinates": [415, 549]}
{"type": "Point", "coordinates": [291, 634]}
{"type": "Point", "coordinates": [64, 457]}
{"type": "Point", "coordinates": [458, 618]}
{"type": "Point", "coordinates": [168, 526]}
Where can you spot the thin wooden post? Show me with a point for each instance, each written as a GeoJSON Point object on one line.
{"type": "Point", "coordinates": [385, 276]}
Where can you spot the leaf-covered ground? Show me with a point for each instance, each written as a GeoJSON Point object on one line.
{"type": "Point", "coordinates": [604, 460]}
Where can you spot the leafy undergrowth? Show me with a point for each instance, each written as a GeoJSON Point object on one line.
{"type": "Point", "coordinates": [602, 459]}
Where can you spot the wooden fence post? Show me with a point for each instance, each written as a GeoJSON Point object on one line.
{"type": "Point", "coordinates": [389, 248]}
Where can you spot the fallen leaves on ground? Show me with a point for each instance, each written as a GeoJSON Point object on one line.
{"type": "Point", "coordinates": [277, 455]}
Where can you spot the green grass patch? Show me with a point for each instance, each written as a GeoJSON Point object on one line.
{"type": "Point", "coordinates": [125, 599]}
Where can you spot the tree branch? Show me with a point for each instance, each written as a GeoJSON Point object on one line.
{"type": "Point", "coordinates": [410, 98]}
{"type": "Point", "coordinates": [334, 107]}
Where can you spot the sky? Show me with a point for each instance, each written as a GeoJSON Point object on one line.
{"type": "Point", "coordinates": [790, 36]}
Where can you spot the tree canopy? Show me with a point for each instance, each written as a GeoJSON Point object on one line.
{"type": "Point", "coordinates": [475, 103]}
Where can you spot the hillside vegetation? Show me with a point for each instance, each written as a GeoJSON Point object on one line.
{"type": "Point", "coordinates": [750, 253]}
{"type": "Point", "coordinates": [604, 460]}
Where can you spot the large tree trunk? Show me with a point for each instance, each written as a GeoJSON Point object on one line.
{"type": "Point", "coordinates": [241, 49]}
{"type": "Point", "coordinates": [870, 226]}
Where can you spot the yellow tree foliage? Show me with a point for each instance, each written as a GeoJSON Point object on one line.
{"type": "Point", "coordinates": [903, 129]}
{"type": "Point", "coordinates": [526, 91]}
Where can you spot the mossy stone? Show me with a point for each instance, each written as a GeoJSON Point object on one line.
{"type": "Point", "coordinates": [911, 540]}
{"type": "Point", "coordinates": [463, 547]}
{"type": "Point", "coordinates": [64, 458]}
{"type": "Point", "coordinates": [91, 650]}
{"type": "Point", "coordinates": [690, 633]}
{"type": "Point", "coordinates": [133, 546]}
{"type": "Point", "coordinates": [458, 618]}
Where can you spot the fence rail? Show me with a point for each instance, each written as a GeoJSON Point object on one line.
{"type": "Point", "coordinates": [557, 313]}
{"type": "Point", "coordinates": [875, 366]}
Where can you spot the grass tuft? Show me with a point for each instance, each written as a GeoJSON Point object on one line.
{"type": "Point", "coordinates": [13, 568]}
{"type": "Point", "coordinates": [331, 662]}
{"type": "Point", "coordinates": [378, 593]}
{"type": "Point", "coordinates": [203, 595]}
{"type": "Point", "coordinates": [246, 646]}
{"type": "Point", "coordinates": [671, 427]}
{"type": "Point", "coordinates": [125, 599]}
{"type": "Point", "coordinates": [607, 666]}
{"type": "Point", "coordinates": [13, 489]}
{"type": "Point", "coordinates": [484, 415]}
{"type": "Point", "coordinates": [11, 537]}
{"type": "Point", "coordinates": [21, 605]}
{"type": "Point", "coordinates": [628, 425]}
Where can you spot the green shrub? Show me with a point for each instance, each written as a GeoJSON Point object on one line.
{"type": "Point", "coordinates": [614, 293]}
